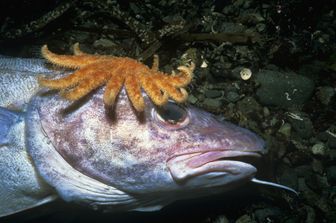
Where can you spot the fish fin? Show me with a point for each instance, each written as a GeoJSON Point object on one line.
{"type": "Point", "coordinates": [7, 120]}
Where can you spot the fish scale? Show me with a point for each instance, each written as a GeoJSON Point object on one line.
{"type": "Point", "coordinates": [25, 65]}
{"type": "Point", "coordinates": [17, 87]}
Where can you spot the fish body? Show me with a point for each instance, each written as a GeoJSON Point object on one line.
{"type": "Point", "coordinates": [111, 159]}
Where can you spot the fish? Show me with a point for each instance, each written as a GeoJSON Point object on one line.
{"type": "Point", "coordinates": [111, 159]}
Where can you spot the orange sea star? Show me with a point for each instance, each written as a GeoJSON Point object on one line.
{"type": "Point", "coordinates": [94, 71]}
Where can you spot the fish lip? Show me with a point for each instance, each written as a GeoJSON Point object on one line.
{"type": "Point", "coordinates": [218, 154]}
{"type": "Point", "coordinates": [188, 165]}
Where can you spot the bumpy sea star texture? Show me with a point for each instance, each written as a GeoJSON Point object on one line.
{"type": "Point", "coordinates": [94, 71]}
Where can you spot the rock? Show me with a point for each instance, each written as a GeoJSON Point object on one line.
{"type": "Point", "coordinates": [272, 213]}
{"type": "Point", "coordinates": [292, 219]}
{"type": "Point", "coordinates": [245, 219]}
{"type": "Point", "coordinates": [298, 157]}
{"type": "Point", "coordinates": [317, 166]}
{"type": "Point", "coordinates": [104, 43]}
{"type": "Point", "coordinates": [325, 94]}
{"type": "Point", "coordinates": [266, 111]}
{"type": "Point", "coordinates": [213, 93]}
{"type": "Point", "coordinates": [251, 19]}
{"type": "Point", "coordinates": [289, 178]}
{"type": "Point", "coordinates": [242, 3]}
{"type": "Point", "coordinates": [332, 142]}
{"type": "Point", "coordinates": [322, 136]}
{"type": "Point", "coordinates": [235, 73]}
{"type": "Point", "coordinates": [311, 216]}
{"type": "Point", "coordinates": [221, 219]}
{"type": "Point", "coordinates": [331, 175]}
{"type": "Point", "coordinates": [316, 182]}
{"type": "Point", "coordinates": [201, 97]}
{"type": "Point", "coordinates": [303, 170]}
{"type": "Point", "coordinates": [319, 149]}
{"type": "Point", "coordinates": [192, 99]}
{"type": "Point", "coordinates": [302, 125]}
{"type": "Point", "coordinates": [232, 96]}
{"type": "Point", "coordinates": [218, 71]}
{"type": "Point", "coordinates": [249, 105]}
{"type": "Point", "coordinates": [285, 130]}
{"type": "Point", "coordinates": [261, 27]}
{"type": "Point", "coordinates": [232, 27]}
{"type": "Point", "coordinates": [212, 103]}
{"type": "Point", "coordinates": [283, 89]}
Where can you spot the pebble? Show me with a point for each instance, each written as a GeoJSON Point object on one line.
{"type": "Point", "coordinates": [221, 219]}
{"type": "Point", "coordinates": [232, 27]}
{"type": "Point", "coordinates": [301, 123]}
{"type": "Point", "coordinates": [266, 214]}
{"type": "Point", "coordinates": [319, 149]}
{"type": "Point", "coordinates": [283, 89]}
{"type": "Point", "coordinates": [325, 94]}
{"type": "Point", "coordinates": [245, 74]}
{"type": "Point", "coordinates": [213, 93]}
{"type": "Point", "coordinates": [245, 219]}
{"type": "Point", "coordinates": [311, 215]}
{"type": "Point", "coordinates": [192, 99]}
{"type": "Point", "coordinates": [212, 103]}
{"type": "Point", "coordinates": [266, 111]}
{"type": "Point", "coordinates": [232, 96]}
{"type": "Point", "coordinates": [261, 27]}
{"type": "Point", "coordinates": [285, 130]}
{"type": "Point", "coordinates": [249, 105]}
{"type": "Point", "coordinates": [104, 43]}
{"type": "Point", "coordinates": [317, 166]}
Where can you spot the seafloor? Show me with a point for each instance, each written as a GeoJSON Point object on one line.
{"type": "Point", "coordinates": [289, 48]}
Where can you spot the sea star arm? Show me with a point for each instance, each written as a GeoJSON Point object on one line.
{"type": "Point", "coordinates": [154, 92]}
{"type": "Point", "coordinates": [112, 89]}
{"type": "Point", "coordinates": [68, 81]}
{"type": "Point", "coordinates": [86, 86]}
{"type": "Point", "coordinates": [133, 90]}
{"type": "Point", "coordinates": [69, 61]}
{"type": "Point", "coordinates": [183, 78]}
{"type": "Point", "coordinates": [177, 94]}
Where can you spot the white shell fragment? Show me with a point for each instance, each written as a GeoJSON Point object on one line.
{"type": "Point", "coordinates": [204, 64]}
{"type": "Point", "coordinates": [245, 74]}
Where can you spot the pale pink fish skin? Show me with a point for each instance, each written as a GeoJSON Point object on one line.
{"type": "Point", "coordinates": [141, 154]}
{"type": "Point", "coordinates": [117, 160]}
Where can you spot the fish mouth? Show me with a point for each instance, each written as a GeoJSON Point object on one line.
{"type": "Point", "coordinates": [188, 165]}
{"type": "Point", "coordinates": [211, 156]}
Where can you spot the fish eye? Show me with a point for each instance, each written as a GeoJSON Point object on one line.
{"type": "Point", "coordinates": [171, 115]}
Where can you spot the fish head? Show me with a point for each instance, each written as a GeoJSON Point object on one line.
{"type": "Point", "coordinates": [165, 153]}
{"type": "Point", "coordinates": [204, 154]}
